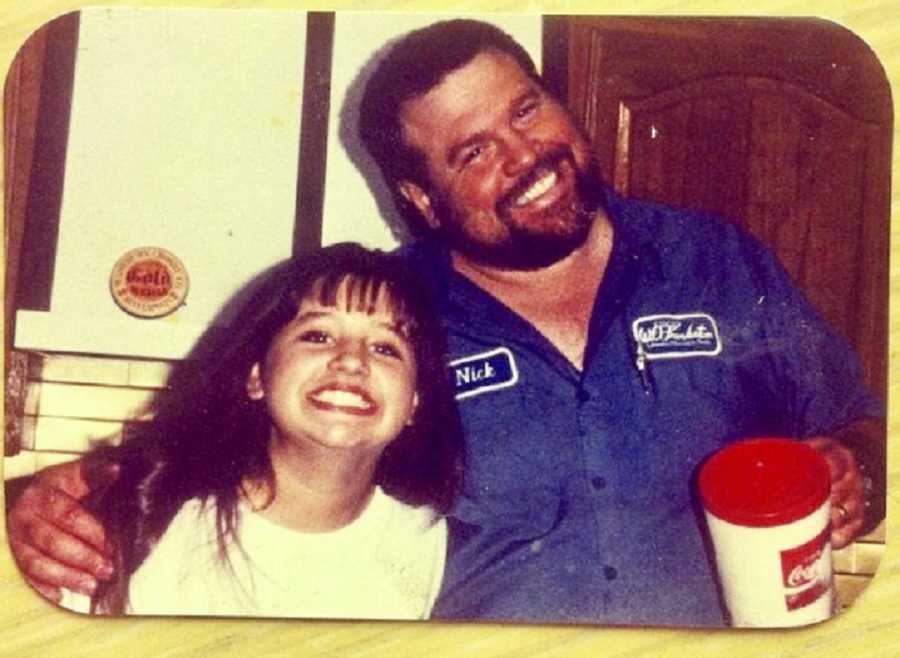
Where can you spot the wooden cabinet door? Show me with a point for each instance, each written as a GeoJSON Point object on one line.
{"type": "Point", "coordinates": [783, 126]}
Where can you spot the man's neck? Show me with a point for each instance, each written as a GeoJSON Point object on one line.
{"type": "Point", "coordinates": [557, 300]}
{"type": "Point", "coordinates": [596, 248]}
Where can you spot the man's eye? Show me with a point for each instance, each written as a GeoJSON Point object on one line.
{"type": "Point", "coordinates": [526, 110]}
{"type": "Point", "coordinates": [472, 154]}
{"type": "Point", "coordinates": [314, 336]}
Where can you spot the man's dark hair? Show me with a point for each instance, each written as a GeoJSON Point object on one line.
{"type": "Point", "coordinates": [413, 66]}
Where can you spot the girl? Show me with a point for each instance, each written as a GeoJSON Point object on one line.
{"type": "Point", "coordinates": [299, 463]}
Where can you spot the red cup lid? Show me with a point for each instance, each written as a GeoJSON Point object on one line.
{"type": "Point", "coordinates": [764, 482]}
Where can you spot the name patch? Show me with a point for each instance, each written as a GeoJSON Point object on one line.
{"type": "Point", "coordinates": [676, 336]}
{"type": "Point", "coordinates": [481, 373]}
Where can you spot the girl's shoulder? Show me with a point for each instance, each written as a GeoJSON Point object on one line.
{"type": "Point", "coordinates": [411, 554]}
{"type": "Point", "coordinates": [396, 518]}
{"type": "Point", "coordinates": [195, 514]}
{"type": "Point", "coordinates": [191, 531]}
{"type": "Point", "coordinates": [184, 569]}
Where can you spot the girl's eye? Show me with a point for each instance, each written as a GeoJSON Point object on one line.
{"type": "Point", "coordinates": [386, 349]}
{"type": "Point", "coordinates": [314, 336]}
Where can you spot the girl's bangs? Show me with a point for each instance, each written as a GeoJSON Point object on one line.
{"type": "Point", "coordinates": [362, 293]}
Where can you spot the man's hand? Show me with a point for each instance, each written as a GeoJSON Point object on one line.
{"type": "Point", "coordinates": [847, 490]}
{"type": "Point", "coordinates": [55, 542]}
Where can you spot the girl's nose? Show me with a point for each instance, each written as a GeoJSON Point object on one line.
{"type": "Point", "coordinates": [351, 357]}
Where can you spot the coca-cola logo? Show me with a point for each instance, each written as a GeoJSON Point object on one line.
{"type": "Point", "coordinates": [806, 571]}
{"type": "Point", "coordinates": [149, 282]}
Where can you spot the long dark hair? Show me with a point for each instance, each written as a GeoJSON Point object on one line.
{"type": "Point", "coordinates": [207, 436]}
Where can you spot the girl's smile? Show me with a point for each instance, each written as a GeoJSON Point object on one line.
{"type": "Point", "coordinates": [339, 376]}
{"type": "Point", "coordinates": [347, 399]}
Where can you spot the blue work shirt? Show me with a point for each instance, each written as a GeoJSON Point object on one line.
{"type": "Point", "coordinates": [580, 501]}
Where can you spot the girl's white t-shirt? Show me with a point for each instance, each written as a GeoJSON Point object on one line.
{"type": "Point", "coordinates": [386, 564]}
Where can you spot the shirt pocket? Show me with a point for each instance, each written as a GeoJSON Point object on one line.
{"type": "Point", "coordinates": [521, 441]}
{"type": "Point", "coordinates": [720, 397]}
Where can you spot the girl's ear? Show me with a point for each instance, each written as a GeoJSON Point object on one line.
{"type": "Point", "coordinates": [255, 389]}
{"type": "Point", "coordinates": [415, 407]}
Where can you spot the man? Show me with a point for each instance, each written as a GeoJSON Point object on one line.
{"type": "Point", "coordinates": [602, 348]}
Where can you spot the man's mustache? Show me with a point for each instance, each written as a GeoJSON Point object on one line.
{"type": "Point", "coordinates": [549, 160]}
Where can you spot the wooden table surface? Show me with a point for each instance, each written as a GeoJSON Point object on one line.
{"type": "Point", "coordinates": [871, 629]}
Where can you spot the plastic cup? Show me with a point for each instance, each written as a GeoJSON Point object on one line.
{"type": "Point", "coordinates": [766, 503]}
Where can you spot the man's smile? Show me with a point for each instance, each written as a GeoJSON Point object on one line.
{"type": "Point", "coordinates": [546, 179]}
{"type": "Point", "coordinates": [544, 182]}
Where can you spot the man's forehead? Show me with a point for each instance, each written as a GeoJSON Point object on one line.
{"type": "Point", "coordinates": [464, 93]}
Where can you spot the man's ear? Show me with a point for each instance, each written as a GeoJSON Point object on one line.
{"type": "Point", "coordinates": [255, 389]}
{"type": "Point", "coordinates": [420, 199]}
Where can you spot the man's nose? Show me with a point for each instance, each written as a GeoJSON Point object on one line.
{"type": "Point", "coordinates": [520, 153]}
{"type": "Point", "coordinates": [351, 356]}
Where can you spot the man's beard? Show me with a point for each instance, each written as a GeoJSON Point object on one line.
{"type": "Point", "coordinates": [530, 247]}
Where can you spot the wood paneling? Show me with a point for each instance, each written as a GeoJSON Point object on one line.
{"type": "Point", "coordinates": [21, 98]}
{"type": "Point", "coordinates": [781, 126]}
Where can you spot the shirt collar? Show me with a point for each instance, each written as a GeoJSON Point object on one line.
{"type": "Point", "coordinates": [635, 252]}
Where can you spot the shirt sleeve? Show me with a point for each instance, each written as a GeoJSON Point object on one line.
{"type": "Point", "coordinates": [439, 558]}
{"type": "Point", "coordinates": [818, 373]}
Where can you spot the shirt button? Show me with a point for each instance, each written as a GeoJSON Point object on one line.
{"type": "Point", "coordinates": [583, 395]}
{"type": "Point", "coordinates": [598, 482]}
{"type": "Point", "coordinates": [610, 572]}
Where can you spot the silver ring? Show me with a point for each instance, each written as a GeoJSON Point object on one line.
{"type": "Point", "coordinates": [842, 512]}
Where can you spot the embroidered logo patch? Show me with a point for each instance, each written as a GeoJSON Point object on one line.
{"type": "Point", "coordinates": [481, 373]}
{"type": "Point", "coordinates": [677, 336]}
